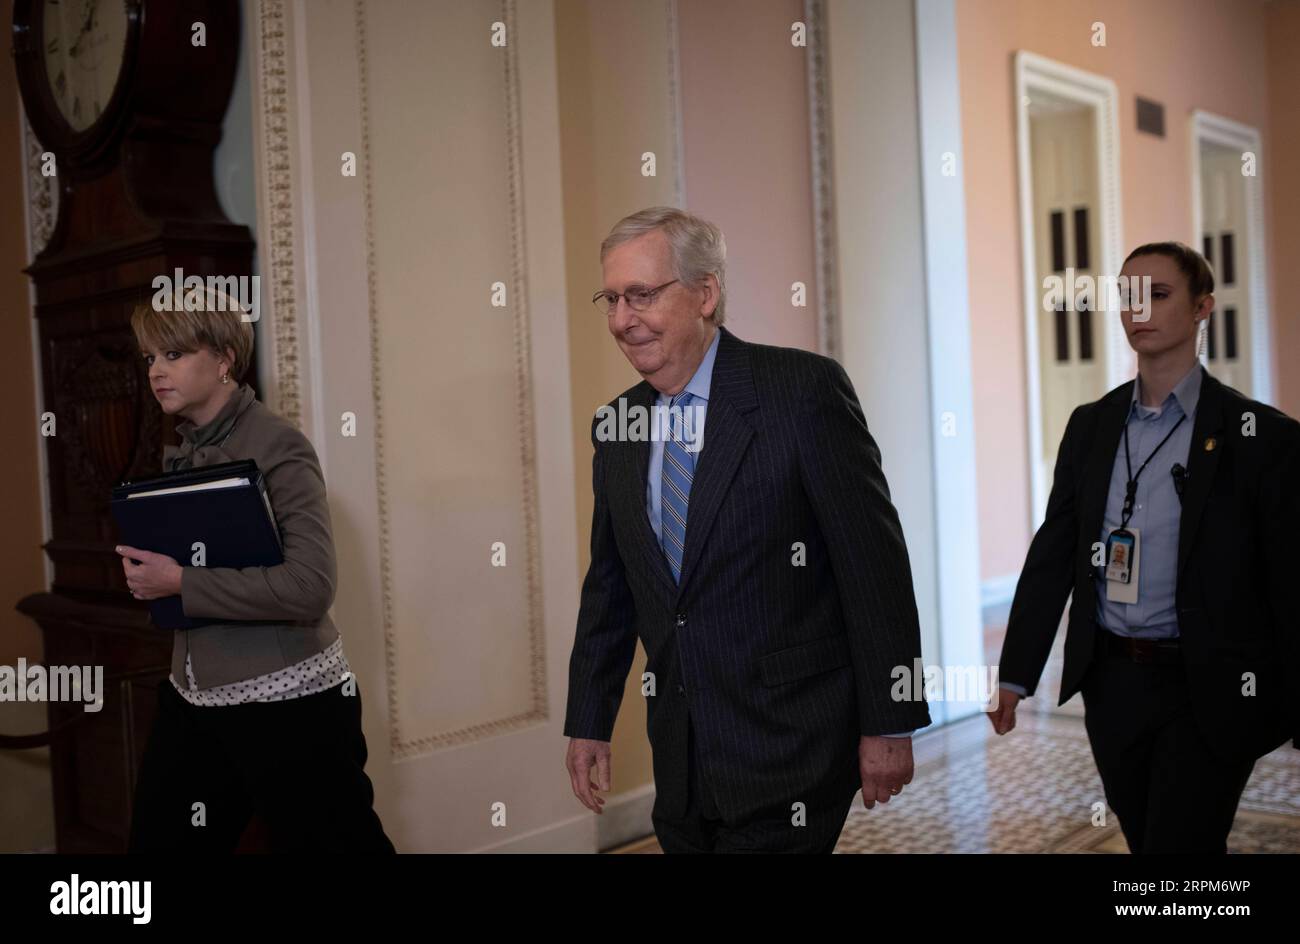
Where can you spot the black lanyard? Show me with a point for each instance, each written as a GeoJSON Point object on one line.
{"type": "Point", "coordinates": [1130, 492]}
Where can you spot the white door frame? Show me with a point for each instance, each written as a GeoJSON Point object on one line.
{"type": "Point", "coordinates": [1037, 73]}
{"type": "Point", "coordinates": [1208, 128]}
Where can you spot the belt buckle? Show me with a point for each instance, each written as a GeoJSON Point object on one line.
{"type": "Point", "coordinates": [1143, 651]}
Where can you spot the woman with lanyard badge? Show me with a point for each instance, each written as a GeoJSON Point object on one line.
{"type": "Point", "coordinates": [261, 713]}
{"type": "Point", "coordinates": [1172, 521]}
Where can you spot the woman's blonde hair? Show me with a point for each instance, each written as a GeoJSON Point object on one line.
{"type": "Point", "coordinates": [216, 323]}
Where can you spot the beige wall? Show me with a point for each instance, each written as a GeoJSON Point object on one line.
{"type": "Point", "coordinates": [1185, 54]}
{"type": "Point", "coordinates": [1282, 215]}
{"type": "Point", "coordinates": [745, 117]}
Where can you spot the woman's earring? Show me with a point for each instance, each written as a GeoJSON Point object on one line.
{"type": "Point", "coordinates": [225, 378]}
{"type": "Point", "coordinates": [1200, 343]}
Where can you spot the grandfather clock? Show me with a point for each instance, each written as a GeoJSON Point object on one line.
{"type": "Point", "coordinates": [127, 99]}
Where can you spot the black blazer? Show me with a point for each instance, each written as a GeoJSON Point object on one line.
{"type": "Point", "coordinates": [780, 667]}
{"type": "Point", "coordinates": [1238, 565]}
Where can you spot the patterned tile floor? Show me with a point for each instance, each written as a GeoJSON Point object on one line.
{"type": "Point", "coordinates": [1035, 789]}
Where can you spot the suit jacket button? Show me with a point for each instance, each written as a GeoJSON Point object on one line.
{"type": "Point", "coordinates": [681, 690]}
{"type": "Point", "coordinates": [681, 619]}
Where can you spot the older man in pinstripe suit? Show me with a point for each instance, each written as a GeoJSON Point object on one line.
{"type": "Point", "coordinates": [763, 569]}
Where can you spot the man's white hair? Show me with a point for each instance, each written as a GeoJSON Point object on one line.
{"type": "Point", "coordinates": [697, 246]}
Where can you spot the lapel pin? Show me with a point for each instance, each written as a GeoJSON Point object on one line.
{"type": "Point", "coordinates": [1210, 444]}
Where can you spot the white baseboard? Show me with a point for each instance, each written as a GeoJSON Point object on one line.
{"type": "Point", "coordinates": [998, 591]}
{"type": "Point", "coordinates": [573, 835]}
{"type": "Point", "coordinates": [626, 817]}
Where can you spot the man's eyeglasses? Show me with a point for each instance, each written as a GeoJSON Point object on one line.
{"type": "Point", "coordinates": [639, 298]}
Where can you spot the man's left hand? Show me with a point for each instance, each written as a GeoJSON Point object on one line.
{"type": "Point", "coordinates": [157, 575]}
{"type": "Point", "coordinates": [885, 764]}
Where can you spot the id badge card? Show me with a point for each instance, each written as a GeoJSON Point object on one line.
{"type": "Point", "coordinates": [1122, 549]}
{"type": "Point", "coordinates": [1119, 555]}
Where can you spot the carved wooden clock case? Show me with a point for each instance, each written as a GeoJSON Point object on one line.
{"type": "Point", "coordinates": [131, 110]}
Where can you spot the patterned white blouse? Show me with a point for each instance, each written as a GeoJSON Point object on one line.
{"type": "Point", "coordinates": [315, 674]}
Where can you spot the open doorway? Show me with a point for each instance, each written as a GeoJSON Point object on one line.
{"type": "Point", "coordinates": [1070, 229]}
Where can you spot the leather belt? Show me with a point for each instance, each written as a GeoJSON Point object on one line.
{"type": "Point", "coordinates": [1143, 651]}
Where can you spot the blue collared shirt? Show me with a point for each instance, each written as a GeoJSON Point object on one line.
{"type": "Point", "coordinates": [1157, 511]}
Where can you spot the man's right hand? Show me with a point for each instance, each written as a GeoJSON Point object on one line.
{"type": "Point", "coordinates": [582, 756]}
{"type": "Point", "coordinates": [1004, 716]}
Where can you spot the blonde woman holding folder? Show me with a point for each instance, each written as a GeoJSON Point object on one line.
{"type": "Point", "coordinates": [261, 712]}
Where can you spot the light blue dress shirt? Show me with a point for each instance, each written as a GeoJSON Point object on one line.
{"type": "Point", "coordinates": [1157, 512]}
{"type": "Point", "coordinates": [698, 386]}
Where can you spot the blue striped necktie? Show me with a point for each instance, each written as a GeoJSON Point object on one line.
{"type": "Point", "coordinates": [675, 488]}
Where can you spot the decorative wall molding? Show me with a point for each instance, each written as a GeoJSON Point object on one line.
{"type": "Point", "coordinates": [526, 430]}
{"type": "Point", "coordinates": [823, 180]}
{"type": "Point", "coordinates": [675, 102]}
{"type": "Point", "coordinates": [277, 188]}
{"type": "Point", "coordinates": [404, 743]}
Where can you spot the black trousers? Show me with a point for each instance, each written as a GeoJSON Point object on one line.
{"type": "Point", "coordinates": [702, 828]}
{"type": "Point", "coordinates": [298, 763]}
{"type": "Point", "coordinates": [1170, 792]}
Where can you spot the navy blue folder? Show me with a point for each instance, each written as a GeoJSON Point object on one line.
{"type": "Point", "coordinates": [224, 506]}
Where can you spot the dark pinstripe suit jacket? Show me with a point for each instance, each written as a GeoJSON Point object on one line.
{"type": "Point", "coordinates": [780, 667]}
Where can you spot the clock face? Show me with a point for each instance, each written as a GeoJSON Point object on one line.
{"type": "Point", "coordinates": [85, 41]}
